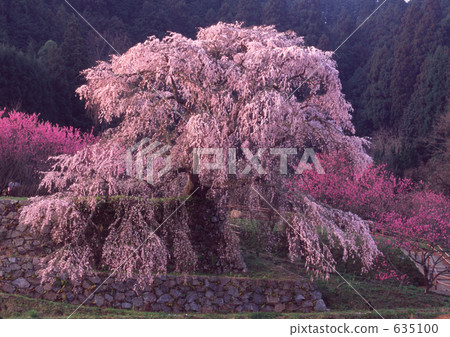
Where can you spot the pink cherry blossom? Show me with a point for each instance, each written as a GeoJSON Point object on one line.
{"type": "Point", "coordinates": [228, 88]}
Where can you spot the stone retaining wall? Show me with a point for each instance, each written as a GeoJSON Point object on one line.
{"type": "Point", "coordinates": [171, 293]}
{"type": "Point", "coordinates": [14, 237]}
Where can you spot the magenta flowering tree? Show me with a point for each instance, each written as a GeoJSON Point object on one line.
{"type": "Point", "coordinates": [370, 193]}
{"type": "Point", "coordinates": [26, 143]}
{"type": "Point", "coordinates": [407, 215]}
{"type": "Point", "coordinates": [420, 226]}
{"type": "Point", "coordinates": [246, 88]}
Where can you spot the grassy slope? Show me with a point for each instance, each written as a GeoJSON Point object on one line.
{"type": "Point", "coordinates": [15, 306]}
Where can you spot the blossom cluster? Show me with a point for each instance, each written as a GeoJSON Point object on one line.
{"type": "Point", "coordinates": [26, 143]}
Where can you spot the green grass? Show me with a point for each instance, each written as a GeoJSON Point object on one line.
{"type": "Point", "coordinates": [13, 198]}
{"type": "Point", "coordinates": [16, 306]}
{"type": "Point", "coordinates": [339, 296]}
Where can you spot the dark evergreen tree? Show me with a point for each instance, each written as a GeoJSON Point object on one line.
{"type": "Point", "coordinates": [25, 85]}
{"type": "Point", "coordinates": [429, 99]}
{"type": "Point", "coordinates": [227, 12]}
{"type": "Point", "coordinates": [179, 19]}
{"type": "Point", "coordinates": [374, 108]}
{"type": "Point", "coordinates": [3, 24]}
{"type": "Point", "coordinates": [275, 13]}
{"type": "Point", "coordinates": [74, 51]}
{"type": "Point", "coordinates": [306, 19]}
{"type": "Point", "coordinates": [19, 23]}
{"type": "Point", "coordinates": [418, 38]}
{"type": "Point", "coordinates": [249, 11]}
{"type": "Point", "coordinates": [152, 19]}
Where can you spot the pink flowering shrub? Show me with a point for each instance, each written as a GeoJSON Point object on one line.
{"type": "Point", "coordinates": [369, 193]}
{"type": "Point", "coordinates": [26, 143]}
{"type": "Point", "coordinates": [415, 219]}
